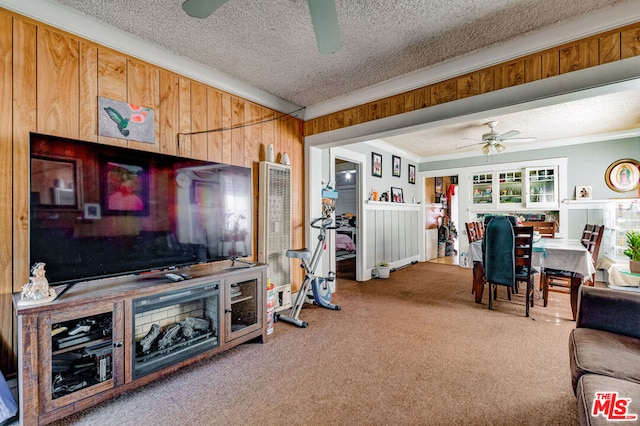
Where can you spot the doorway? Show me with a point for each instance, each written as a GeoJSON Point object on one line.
{"type": "Point", "coordinates": [443, 236]}
{"type": "Point", "coordinates": [346, 212]}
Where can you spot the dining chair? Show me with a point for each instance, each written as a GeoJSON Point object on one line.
{"type": "Point", "coordinates": [472, 234]}
{"type": "Point", "coordinates": [559, 280]}
{"type": "Point", "coordinates": [523, 254]}
{"type": "Point", "coordinates": [586, 234]}
{"type": "Point", "coordinates": [480, 229]}
{"type": "Point", "coordinates": [545, 229]}
{"type": "Point", "coordinates": [499, 257]}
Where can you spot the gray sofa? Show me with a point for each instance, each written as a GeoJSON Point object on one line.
{"type": "Point", "coordinates": [604, 351]}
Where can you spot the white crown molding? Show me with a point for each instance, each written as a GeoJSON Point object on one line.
{"type": "Point", "coordinates": [74, 22]}
{"type": "Point", "coordinates": [585, 26]}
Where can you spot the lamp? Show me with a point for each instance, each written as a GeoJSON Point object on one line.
{"type": "Point", "coordinates": [486, 150]}
{"type": "Point", "coordinates": [499, 148]}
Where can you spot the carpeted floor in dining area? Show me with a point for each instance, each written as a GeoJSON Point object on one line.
{"type": "Point", "coordinates": [411, 350]}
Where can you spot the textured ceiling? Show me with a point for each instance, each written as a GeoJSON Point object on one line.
{"type": "Point", "coordinates": [592, 118]}
{"type": "Point", "coordinates": [270, 45]}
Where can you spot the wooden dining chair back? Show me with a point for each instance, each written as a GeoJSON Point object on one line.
{"type": "Point", "coordinates": [480, 229]}
{"type": "Point", "coordinates": [472, 234]}
{"type": "Point", "coordinates": [558, 280]}
{"type": "Point", "coordinates": [595, 240]}
{"type": "Point", "coordinates": [545, 229]}
{"type": "Point", "coordinates": [586, 234]}
{"type": "Point", "coordinates": [523, 254]}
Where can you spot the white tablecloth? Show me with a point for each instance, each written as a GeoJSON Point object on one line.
{"type": "Point", "coordinates": [552, 253]}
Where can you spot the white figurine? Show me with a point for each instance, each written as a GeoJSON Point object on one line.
{"type": "Point", "coordinates": [37, 289]}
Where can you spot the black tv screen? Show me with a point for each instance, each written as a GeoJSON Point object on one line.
{"type": "Point", "coordinates": [98, 210]}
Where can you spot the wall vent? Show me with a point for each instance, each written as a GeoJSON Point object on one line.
{"type": "Point", "coordinates": [274, 234]}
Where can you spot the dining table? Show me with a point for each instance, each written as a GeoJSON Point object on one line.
{"type": "Point", "coordinates": [551, 253]}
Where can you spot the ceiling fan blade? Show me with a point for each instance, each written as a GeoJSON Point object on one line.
{"type": "Point", "coordinates": [473, 144]}
{"type": "Point", "coordinates": [325, 25]}
{"type": "Point", "coordinates": [508, 134]}
{"type": "Point", "coordinates": [519, 140]}
{"type": "Point", "coordinates": [202, 8]}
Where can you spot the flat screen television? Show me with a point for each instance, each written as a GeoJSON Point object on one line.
{"type": "Point", "coordinates": [98, 211]}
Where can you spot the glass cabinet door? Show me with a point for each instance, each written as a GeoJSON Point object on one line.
{"type": "Point", "coordinates": [244, 307]}
{"type": "Point", "coordinates": [542, 187]}
{"type": "Point", "coordinates": [510, 187]}
{"type": "Point", "coordinates": [83, 349]}
{"type": "Point", "coordinates": [482, 188]}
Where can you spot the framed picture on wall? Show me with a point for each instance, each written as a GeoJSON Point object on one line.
{"type": "Point", "coordinates": [397, 195]}
{"type": "Point", "coordinates": [623, 175]}
{"type": "Point", "coordinates": [376, 165]}
{"type": "Point", "coordinates": [396, 163]}
{"type": "Point", "coordinates": [412, 174]}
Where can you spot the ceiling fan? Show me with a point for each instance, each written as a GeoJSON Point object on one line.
{"type": "Point", "coordinates": [323, 16]}
{"type": "Point", "coordinates": [492, 139]}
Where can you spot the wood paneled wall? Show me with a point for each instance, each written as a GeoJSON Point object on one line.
{"type": "Point", "coordinates": [50, 82]}
{"type": "Point", "coordinates": [596, 50]}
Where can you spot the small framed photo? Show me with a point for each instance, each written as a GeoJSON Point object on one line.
{"type": "Point", "coordinates": [396, 162]}
{"type": "Point", "coordinates": [376, 165]}
{"type": "Point", "coordinates": [438, 184]}
{"type": "Point", "coordinates": [92, 211]}
{"type": "Point", "coordinates": [583, 192]}
{"type": "Point", "coordinates": [412, 174]}
{"type": "Point", "coordinates": [397, 195]}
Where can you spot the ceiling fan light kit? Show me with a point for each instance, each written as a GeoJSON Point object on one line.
{"type": "Point", "coordinates": [323, 17]}
{"type": "Point", "coordinates": [491, 140]}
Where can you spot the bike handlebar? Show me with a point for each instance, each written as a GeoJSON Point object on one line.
{"type": "Point", "coordinates": [325, 223]}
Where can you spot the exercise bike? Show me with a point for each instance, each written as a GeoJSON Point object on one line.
{"type": "Point", "coordinates": [320, 286]}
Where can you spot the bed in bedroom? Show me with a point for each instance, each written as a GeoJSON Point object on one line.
{"type": "Point", "coordinates": [345, 241]}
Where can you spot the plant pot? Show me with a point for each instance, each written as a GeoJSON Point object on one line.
{"type": "Point", "coordinates": [634, 267]}
{"type": "Point", "coordinates": [384, 272]}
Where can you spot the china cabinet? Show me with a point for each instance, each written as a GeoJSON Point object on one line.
{"type": "Point", "coordinates": [621, 216]}
{"type": "Point", "coordinates": [510, 187]}
{"type": "Point", "coordinates": [542, 187]}
{"type": "Point", "coordinates": [482, 188]}
{"type": "Point", "coordinates": [515, 189]}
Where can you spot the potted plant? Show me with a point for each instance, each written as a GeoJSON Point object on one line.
{"type": "Point", "coordinates": [633, 251]}
{"type": "Point", "coordinates": [383, 270]}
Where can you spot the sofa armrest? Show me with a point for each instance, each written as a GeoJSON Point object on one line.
{"type": "Point", "coordinates": [610, 310]}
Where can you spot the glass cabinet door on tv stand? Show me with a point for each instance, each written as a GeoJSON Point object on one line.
{"type": "Point", "coordinates": [243, 312]}
{"type": "Point", "coordinates": [83, 351]}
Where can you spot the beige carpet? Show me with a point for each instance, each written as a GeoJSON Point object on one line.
{"type": "Point", "coordinates": [414, 349]}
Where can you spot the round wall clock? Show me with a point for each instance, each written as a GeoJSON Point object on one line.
{"type": "Point", "coordinates": [623, 175]}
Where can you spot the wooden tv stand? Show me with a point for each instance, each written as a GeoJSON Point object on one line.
{"type": "Point", "coordinates": [86, 347]}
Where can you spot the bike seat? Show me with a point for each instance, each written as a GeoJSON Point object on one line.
{"type": "Point", "coordinates": [299, 254]}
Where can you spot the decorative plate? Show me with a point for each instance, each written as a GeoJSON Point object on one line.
{"type": "Point", "coordinates": [623, 175]}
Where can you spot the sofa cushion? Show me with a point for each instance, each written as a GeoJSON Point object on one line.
{"type": "Point", "coordinates": [590, 384]}
{"type": "Point", "coordinates": [604, 353]}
